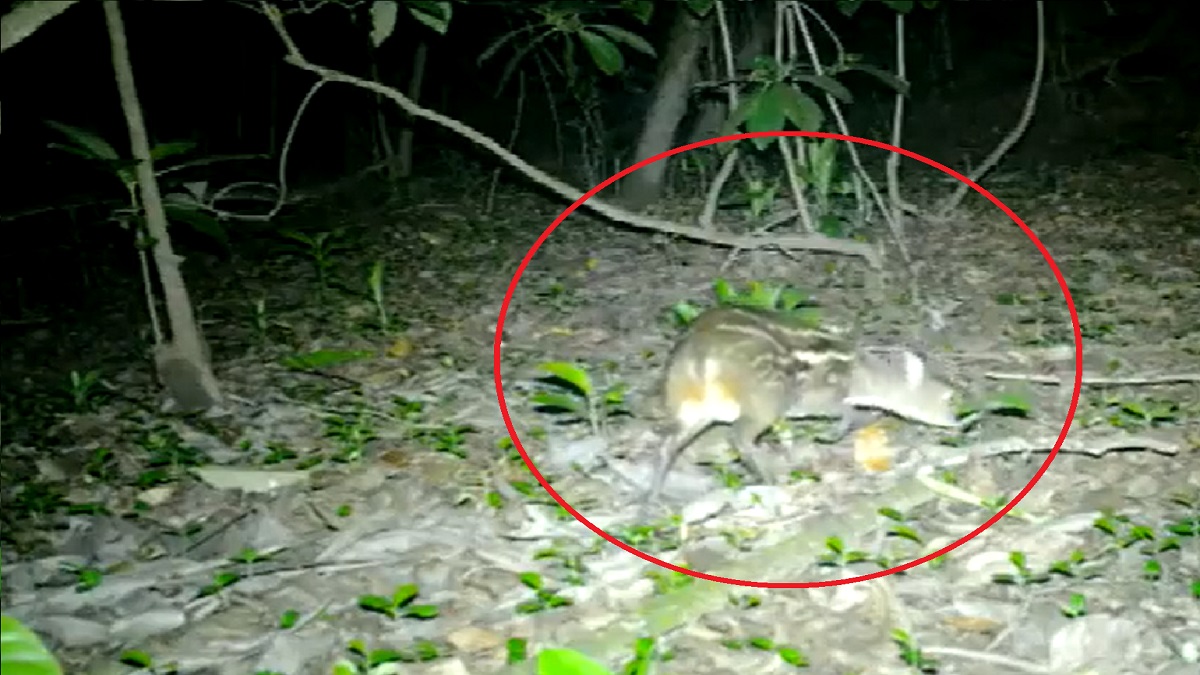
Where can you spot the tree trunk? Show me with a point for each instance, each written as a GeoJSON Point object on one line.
{"type": "Point", "coordinates": [668, 108]}
{"type": "Point", "coordinates": [183, 364]}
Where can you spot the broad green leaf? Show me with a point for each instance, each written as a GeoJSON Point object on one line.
{"type": "Point", "coordinates": [801, 109]}
{"type": "Point", "coordinates": [421, 611]}
{"type": "Point", "coordinates": [383, 20]}
{"type": "Point", "coordinates": [199, 221]}
{"type": "Point", "coordinates": [1009, 402]}
{"type": "Point", "coordinates": [552, 401]}
{"type": "Point", "coordinates": [22, 652]}
{"type": "Point", "coordinates": [567, 662]}
{"type": "Point", "coordinates": [171, 149]}
{"type": "Point", "coordinates": [87, 144]}
{"type": "Point", "coordinates": [433, 13]}
{"type": "Point", "coordinates": [828, 85]}
{"type": "Point", "coordinates": [404, 594]}
{"type": "Point", "coordinates": [889, 79]}
{"type": "Point", "coordinates": [767, 112]}
{"type": "Point", "coordinates": [618, 34]}
{"type": "Point", "coordinates": [570, 373]}
{"type": "Point", "coordinates": [604, 53]}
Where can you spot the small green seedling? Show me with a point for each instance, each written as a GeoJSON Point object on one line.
{"type": "Point", "coordinates": [364, 661]}
{"type": "Point", "coordinates": [352, 434]}
{"type": "Point", "coordinates": [1148, 413]}
{"type": "Point", "coordinates": [222, 579]}
{"type": "Point", "coordinates": [140, 659]}
{"type": "Point", "coordinates": [670, 581]}
{"type": "Point", "coordinates": [577, 396]}
{"type": "Point", "coordinates": [1024, 576]}
{"type": "Point", "coordinates": [791, 303]}
{"type": "Point", "coordinates": [320, 248]}
{"type": "Point", "coordinates": [910, 652]}
{"type": "Point", "coordinates": [399, 605]}
{"type": "Point", "coordinates": [543, 599]}
{"type": "Point", "coordinates": [1076, 606]}
{"type": "Point", "coordinates": [838, 556]}
{"type": "Point", "coordinates": [86, 391]}
{"type": "Point", "coordinates": [263, 323]}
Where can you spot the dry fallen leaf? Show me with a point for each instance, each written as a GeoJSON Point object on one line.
{"type": "Point", "coordinates": [872, 450]}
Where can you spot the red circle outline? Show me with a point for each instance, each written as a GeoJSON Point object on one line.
{"type": "Point", "coordinates": [769, 584]}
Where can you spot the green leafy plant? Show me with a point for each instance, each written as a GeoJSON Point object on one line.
{"type": "Point", "coordinates": [1147, 413]}
{"type": "Point", "coordinates": [789, 303]}
{"type": "Point", "coordinates": [352, 432]}
{"type": "Point", "coordinates": [180, 207]}
{"type": "Point", "coordinates": [321, 248]}
{"type": "Point", "coordinates": [1023, 575]}
{"type": "Point", "coordinates": [544, 599]}
{"type": "Point", "coordinates": [577, 396]}
{"type": "Point", "coordinates": [365, 661]}
{"type": "Point", "coordinates": [838, 555]}
{"type": "Point", "coordinates": [911, 654]}
{"type": "Point", "coordinates": [1076, 606]}
{"type": "Point", "coordinates": [400, 604]}
{"type": "Point", "coordinates": [86, 391]}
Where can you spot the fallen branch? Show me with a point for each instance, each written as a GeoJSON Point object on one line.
{"type": "Point", "coordinates": [1150, 380]}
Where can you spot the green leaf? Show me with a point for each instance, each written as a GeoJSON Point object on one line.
{"type": "Point", "coordinates": [87, 144]}
{"type": "Point", "coordinates": [828, 85]}
{"type": "Point", "coordinates": [618, 34]}
{"type": "Point", "coordinates": [571, 374]}
{"type": "Point", "coordinates": [849, 7]}
{"type": "Point", "coordinates": [889, 79]}
{"type": "Point", "coordinates": [801, 109]}
{"type": "Point", "coordinates": [1009, 403]}
{"type": "Point", "coordinates": [642, 10]}
{"type": "Point", "coordinates": [723, 290]}
{"type": "Point", "coordinates": [604, 53]}
{"type": "Point", "coordinates": [831, 226]}
{"type": "Point", "coordinates": [422, 611]}
{"type": "Point", "coordinates": [567, 662]}
{"type": "Point", "coordinates": [200, 221]}
{"type": "Point", "coordinates": [767, 111]}
{"type": "Point", "coordinates": [434, 14]}
{"type": "Point", "coordinates": [559, 402]}
{"type": "Point", "coordinates": [22, 652]}
{"type": "Point", "coordinates": [383, 20]}
{"type": "Point", "coordinates": [171, 149]}
{"type": "Point", "coordinates": [404, 594]}
{"type": "Point", "coordinates": [517, 649]}
{"type": "Point", "coordinates": [901, 6]}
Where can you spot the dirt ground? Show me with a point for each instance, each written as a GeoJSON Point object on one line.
{"type": "Point", "coordinates": [270, 536]}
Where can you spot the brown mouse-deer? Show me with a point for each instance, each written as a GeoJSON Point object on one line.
{"type": "Point", "coordinates": [751, 368]}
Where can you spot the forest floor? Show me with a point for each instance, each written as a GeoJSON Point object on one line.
{"type": "Point", "coordinates": [360, 486]}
